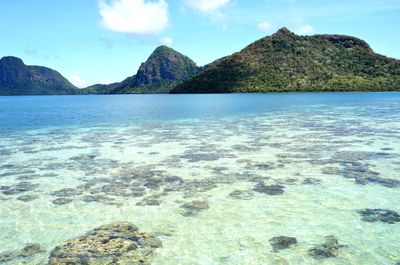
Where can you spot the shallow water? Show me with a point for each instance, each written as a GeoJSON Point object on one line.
{"type": "Point", "coordinates": [333, 154]}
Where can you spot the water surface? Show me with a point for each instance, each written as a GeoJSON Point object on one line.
{"type": "Point", "coordinates": [142, 158]}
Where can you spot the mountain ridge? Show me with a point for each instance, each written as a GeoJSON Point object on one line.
{"type": "Point", "coordinates": [16, 78]}
{"type": "Point", "coordinates": [286, 62]}
{"type": "Point", "coordinates": [281, 62]}
{"type": "Point", "coordinates": [164, 69]}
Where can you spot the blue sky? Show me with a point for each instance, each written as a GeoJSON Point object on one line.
{"type": "Point", "coordinates": [101, 41]}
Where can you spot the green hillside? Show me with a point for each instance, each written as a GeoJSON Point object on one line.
{"type": "Point", "coordinates": [287, 62]}
{"type": "Point", "coordinates": [16, 78]}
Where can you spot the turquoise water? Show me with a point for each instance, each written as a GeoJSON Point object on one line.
{"type": "Point", "coordinates": [69, 164]}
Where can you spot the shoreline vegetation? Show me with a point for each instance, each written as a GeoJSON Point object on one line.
{"type": "Point", "coordinates": [282, 62]}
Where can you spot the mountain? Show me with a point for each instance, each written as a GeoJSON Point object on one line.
{"type": "Point", "coordinates": [288, 62]}
{"type": "Point", "coordinates": [16, 78]}
{"type": "Point", "coordinates": [163, 70]}
{"type": "Point", "coordinates": [99, 89]}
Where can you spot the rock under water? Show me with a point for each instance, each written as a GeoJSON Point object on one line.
{"type": "Point", "coordinates": [271, 190]}
{"type": "Point", "coordinates": [27, 251]}
{"type": "Point", "coordinates": [379, 215]}
{"type": "Point", "coordinates": [329, 249]}
{"type": "Point", "coordinates": [118, 243]}
{"type": "Point", "coordinates": [282, 242]}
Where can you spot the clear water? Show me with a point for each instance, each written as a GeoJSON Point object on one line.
{"type": "Point", "coordinates": [215, 144]}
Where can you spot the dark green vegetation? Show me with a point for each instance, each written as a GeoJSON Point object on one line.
{"type": "Point", "coordinates": [283, 62]}
{"type": "Point", "coordinates": [16, 78]}
{"type": "Point", "coordinates": [99, 89]}
{"type": "Point", "coordinates": [163, 70]}
{"type": "Point", "coordinates": [286, 62]}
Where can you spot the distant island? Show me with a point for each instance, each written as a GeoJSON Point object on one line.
{"type": "Point", "coordinates": [16, 78]}
{"type": "Point", "coordinates": [285, 62]}
{"type": "Point", "coordinates": [282, 62]}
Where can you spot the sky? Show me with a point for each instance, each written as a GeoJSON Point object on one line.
{"type": "Point", "coordinates": [104, 41]}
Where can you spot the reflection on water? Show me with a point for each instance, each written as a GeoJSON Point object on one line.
{"type": "Point", "coordinates": [312, 184]}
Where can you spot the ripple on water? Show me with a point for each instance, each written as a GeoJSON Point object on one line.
{"type": "Point", "coordinates": [289, 187]}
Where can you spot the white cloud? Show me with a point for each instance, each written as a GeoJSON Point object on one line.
{"type": "Point", "coordinates": [77, 81]}
{"type": "Point", "coordinates": [167, 41]}
{"type": "Point", "coordinates": [209, 7]}
{"type": "Point", "coordinates": [304, 29]}
{"type": "Point", "coordinates": [264, 26]}
{"type": "Point", "coordinates": [135, 16]}
{"type": "Point", "coordinates": [206, 6]}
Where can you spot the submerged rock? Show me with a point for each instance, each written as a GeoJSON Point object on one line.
{"type": "Point", "coordinates": [69, 192]}
{"type": "Point", "coordinates": [20, 187]}
{"type": "Point", "coordinates": [27, 198]}
{"type": "Point", "coordinates": [269, 190]}
{"type": "Point", "coordinates": [329, 249]}
{"type": "Point", "coordinates": [7, 256]}
{"type": "Point", "coordinates": [114, 188]}
{"type": "Point", "coordinates": [28, 251]}
{"type": "Point", "coordinates": [331, 171]}
{"type": "Point", "coordinates": [120, 190]}
{"type": "Point", "coordinates": [153, 183]}
{"type": "Point", "coordinates": [27, 177]}
{"type": "Point", "coordinates": [194, 207]}
{"type": "Point", "coordinates": [83, 158]}
{"type": "Point", "coordinates": [198, 186]}
{"type": "Point", "coordinates": [62, 201]}
{"type": "Point", "coordinates": [311, 181]}
{"type": "Point", "coordinates": [150, 201]}
{"type": "Point", "coordinates": [138, 191]}
{"type": "Point", "coordinates": [291, 181]}
{"type": "Point", "coordinates": [98, 199]}
{"type": "Point", "coordinates": [241, 194]}
{"type": "Point", "coordinates": [118, 243]}
{"type": "Point", "coordinates": [263, 166]}
{"type": "Point", "coordinates": [282, 242]}
{"type": "Point", "coordinates": [190, 186]}
{"type": "Point", "coordinates": [199, 157]}
{"type": "Point", "coordinates": [3, 187]}
{"type": "Point", "coordinates": [379, 215]}
{"type": "Point", "coordinates": [386, 182]}
{"type": "Point", "coordinates": [172, 179]}
{"type": "Point", "coordinates": [361, 172]}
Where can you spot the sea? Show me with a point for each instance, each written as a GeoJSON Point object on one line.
{"type": "Point", "coordinates": [215, 177]}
